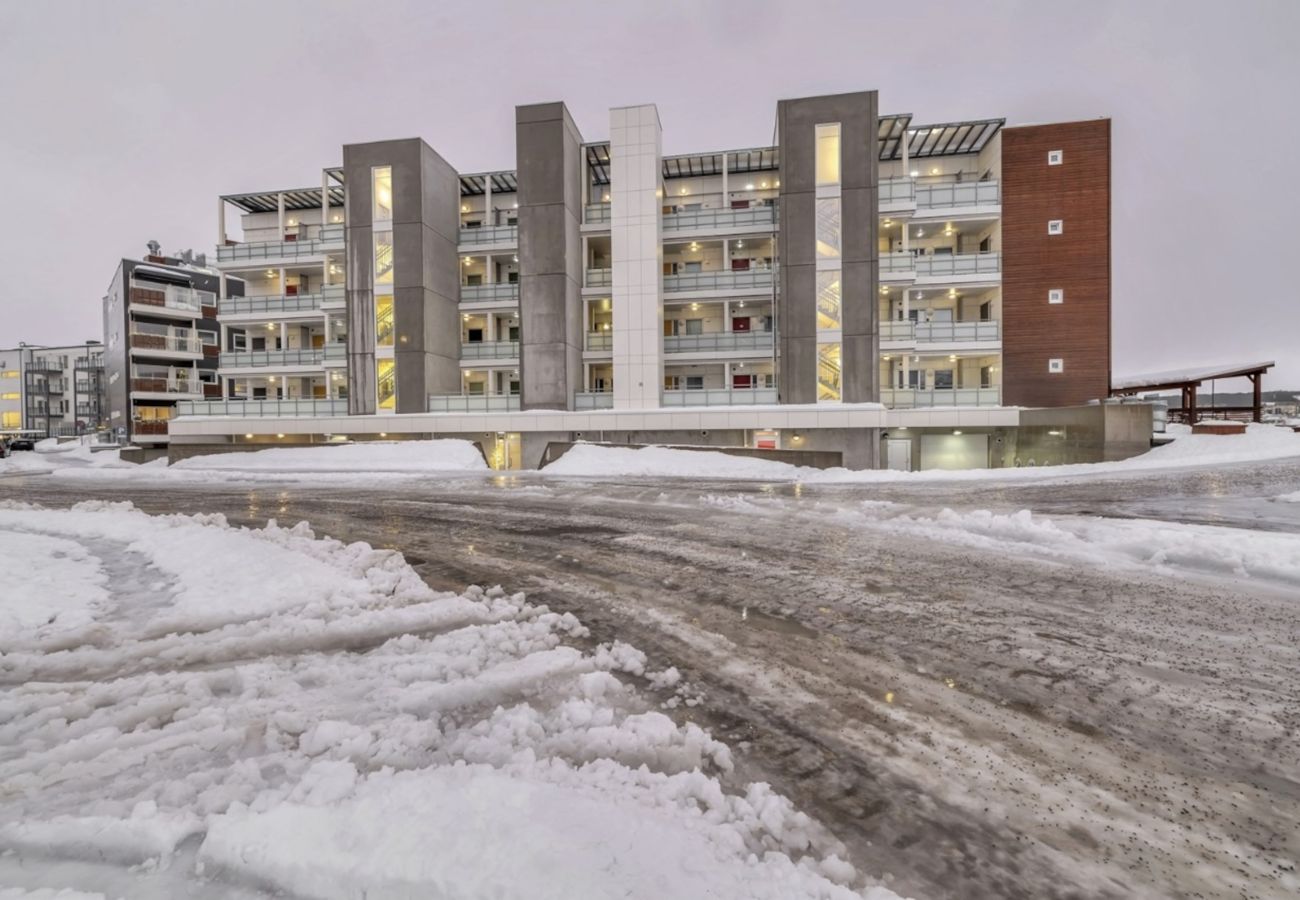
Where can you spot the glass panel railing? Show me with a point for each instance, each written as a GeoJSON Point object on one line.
{"type": "Point", "coordinates": [332, 295]}
{"type": "Point", "coordinates": [274, 303]}
{"type": "Point", "coordinates": [897, 331]}
{"type": "Point", "coordinates": [956, 332]}
{"type": "Point", "coordinates": [596, 213]}
{"type": "Point", "coordinates": [336, 352]}
{"type": "Point", "coordinates": [721, 397]}
{"type": "Point", "coordinates": [148, 336]}
{"type": "Point", "coordinates": [497, 234]}
{"type": "Point", "coordinates": [489, 350]}
{"type": "Point", "coordinates": [599, 277]}
{"type": "Point", "coordinates": [584, 400]}
{"type": "Point", "coordinates": [906, 398]}
{"type": "Point", "coordinates": [170, 296]}
{"type": "Point", "coordinates": [503, 292]}
{"type": "Point", "coordinates": [331, 234]}
{"type": "Point", "coordinates": [247, 359]}
{"type": "Point", "coordinates": [967, 193]}
{"type": "Point", "coordinates": [165, 380]}
{"type": "Point", "coordinates": [718, 341]}
{"type": "Point", "coordinates": [253, 408]}
{"type": "Point", "coordinates": [330, 237]}
{"type": "Point", "coordinates": [600, 340]}
{"type": "Point", "coordinates": [472, 403]}
{"type": "Point", "coordinates": [744, 279]}
{"type": "Point", "coordinates": [899, 263]}
{"type": "Point", "coordinates": [959, 264]}
{"type": "Point", "coordinates": [704, 219]}
{"type": "Point", "coordinates": [897, 190]}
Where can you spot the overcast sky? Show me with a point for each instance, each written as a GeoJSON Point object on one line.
{"type": "Point", "coordinates": [122, 122]}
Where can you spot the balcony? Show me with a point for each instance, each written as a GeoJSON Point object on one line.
{"type": "Point", "coordinates": [147, 338]}
{"type": "Point", "coordinates": [897, 192]}
{"type": "Point", "coordinates": [721, 397]}
{"type": "Point", "coordinates": [328, 237]}
{"type": "Point", "coordinates": [941, 332]}
{"type": "Point", "coordinates": [958, 195]}
{"type": "Point", "coordinates": [149, 426]}
{"type": "Point", "coordinates": [909, 398]}
{"type": "Point", "coordinates": [600, 340]}
{"type": "Point", "coordinates": [489, 350]}
{"type": "Point", "coordinates": [588, 400]}
{"type": "Point", "coordinates": [599, 278]}
{"type": "Point", "coordinates": [718, 342]}
{"type": "Point", "coordinates": [722, 280]}
{"type": "Point", "coordinates": [596, 213]}
{"type": "Point", "coordinates": [747, 219]}
{"type": "Point", "coordinates": [507, 235]}
{"type": "Point", "coordinates": [164, 380]}
{"type": "Point", "coordinates": [282, 303]}
{"type": "Point", "coordinates": [489, 294]}
{"type": "Point", "coordinates": [958, 265]}
{"type": "Point", "coordinates": [170, 297]}
{"type": "Point", "coordinates": [336, 352]}
{"type": "Point", "coordinates": [259, 408]}
{"type": "Point", "coordinates": [302, 358]}
{"type": "Point", "coordinates": [473, 403]}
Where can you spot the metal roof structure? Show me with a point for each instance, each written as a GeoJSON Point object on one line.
{"type": "Point", "coordinates": [1181, 378]}
{"type": "Point", "coordinates": [502, 183]}
{"type": "Point", "coordinates": [299, 198]}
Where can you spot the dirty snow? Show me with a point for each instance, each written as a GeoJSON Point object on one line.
{"type": "Point", "coordinates": [228, 706]}
{"type": "Point", "coordinates": [410, 457]}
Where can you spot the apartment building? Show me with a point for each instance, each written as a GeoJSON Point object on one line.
{"type": "Point", "coordinates": [53, 391]}
{"type": "Point", "coordinates": [161, 342]}
{"type": "Point", "coordinates": [872, 285]}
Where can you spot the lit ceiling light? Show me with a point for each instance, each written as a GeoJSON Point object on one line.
{"type": "Point", "coordinates": [920, 233]}
{"type": "Point", "coordinates": [293, 221]}
{"type": "Point", "coordinates": [763, 185]}
{"type": "Point", "coordinates": [338, 218]}
{"type": "Point", "coordinates": [742, 304]}
{"type": "Point", "coordinates": [1054, 433]}
{"type": "Point", "coordinates": [957, 431]}
{"type": "Point", "coordinates": [749, 187]}
{"type": "Point", "coordinates": [516, 259]}
{"type": "Point", "coordinates": [934, 171]}
{"type": "Point", "coordinates": [952, 358]}
{"type": "Point", "coordinates": [914, 173]}
{"type": "Point", "coordinates": [682, 191]}
{"type": "Point", "coordinates": [464, 208]}
{"type": "Point", "coordinates": [740, 244]}
{"type": "Point", "coordinates": [249, 436]}
{"type": "Point", "coordinates": [605, 199]}
{"type": "Point", "coordinates": [888, 358]}
{"type": "Point", "coordinates": [280, 435]}
{"type": "Point", "coordinates": [695, 306]}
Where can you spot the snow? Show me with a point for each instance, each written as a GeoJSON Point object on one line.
{"type": "Point", "coordinates": [263, 706]}
{"type": "Point", "coordinates": [1176, 376]}
{"type": "Point", "coordinates": [46, 894]}
{"type": "Point", "coordinates": [410, 457]}
{"type": "Point", "coordinates": [1259, 443]}
{"type": "Point", "coordinates": [1290, 498]}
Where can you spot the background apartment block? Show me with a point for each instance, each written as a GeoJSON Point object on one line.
{"type": "Point", "coordinates": [863, 258]}
{"type": "Point", "coordinates": [54, 391]}
{"type": "Point", "coordinates": [160, 343]}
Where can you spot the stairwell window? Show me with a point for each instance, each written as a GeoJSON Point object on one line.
{"type": "Point", "coordinates": [827, 163]}
{"type": "Point", "coordinates": [384, 320]}
{"type": "Point", "coordinates": [828, 372]}
{"type": "Point", "coordinates": [828, 300]}
{"type": "Point", "coordinates": [382, 181]}
{"type": "Point", "coordinates": [383, 257]}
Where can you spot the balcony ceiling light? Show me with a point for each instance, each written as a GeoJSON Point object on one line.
{"type": "Point", "coordinates": [914, 173]}
{"type": "Point", "coordinates": [749, 187]}
{"type": "Point", "coordinates": [280, 435]}
{"type": "Point", "coordinates": [763, 185]}
{"type": "Point", "coordinates": [957, 431]}
{"type": "Point", "coordinates": [952, 358]}
{"type": "Point", "coordinates": [934, 171]}
{"type": "Point", "coordinates": [249, 436]}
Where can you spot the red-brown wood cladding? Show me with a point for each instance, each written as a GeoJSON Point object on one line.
{"type": "Point", "coordinates": [1078, 261]}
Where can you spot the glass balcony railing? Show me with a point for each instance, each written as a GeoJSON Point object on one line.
{"type": "Point", "coordinates": [489, 350]}
{"type": "Point", "coordinates": [966, 193]}
{"type": "Point", "coordinates": [336, 352]}
{"type": "Point", "coordinates": [939, 265]}
{"type": "Point", "coordinates": [170, 296]}
{"type": "Point", "coordinates": [239, 359]}
{"type": "Point", "coordinates": [502, 292]}
{"type": "Point", "coordinates": [721, 341]}
{"type": "Point", "coordinates": [273, 303]}
{"type": "Point", "coordinates": [328, 237]}
{"type": "Point", "coordinates": [599, 277]}
{"type": "Point", "coordinates": [258, 408]}
{"type": "Point", "coordinates": [712, 219]}
{"type": "Point", "coordinates": [496, 234]}
{"type": "Point", "coordinates": [587, 400]}
{"type": "Point", "coordinates": [333, 296]}
{"type": "Point", "coordinates": [600, 340]}
{"type": "Point", "coordinates": [146, 337]}
{"type": "Point", "coordinates": [908, 398]}
{"type": "Point", "coordinates": [596, 213]}
{"type": "Point", "coordinates": [720, 397]}
{"type": "Point", "coordinates": [941, 332]}
{"type": "Point", "coordinates": [733, 280]}
{"type": "Point", "coordinates": [897, 190]}
{"type": "Point", "coordinates": [473, 403]}
{"type": "Point", "coordinates": [899, 264]}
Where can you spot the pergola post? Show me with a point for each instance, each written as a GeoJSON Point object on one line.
{"type": "Point", "coordinates": [1257, 382]}
{"type": "Point", "coordinates": [1190, 404]}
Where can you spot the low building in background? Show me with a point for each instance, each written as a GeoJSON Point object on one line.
{"type": "Point", "coordinates": [52, 391]}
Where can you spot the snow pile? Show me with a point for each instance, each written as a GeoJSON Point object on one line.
{"type": "Point", "coordinates": [1260, 443]}
{"type": "Point", "coordinates": [46, 894]}
{"type": "Point", "coordinates": [592, 460]}
{"type": "Point", "coordinates": [267, 707]}
{"type": "Point", "coordinates": [1290, 498]}
{"type": "Point", "coordinates": [409, 457]}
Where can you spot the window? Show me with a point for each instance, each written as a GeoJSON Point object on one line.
{"type": "Point", "coordinates": [383, 257]}
{"type": "Point", "coordinates": [1055, 366]}
{"type": "Point", "coordinates": [986, 376]}
{"type": "Point", "coordinates": [695, 326]}
{"type": "Point", "coordinates": [512, 278]}
{"type": "Point", "coordinates": [694, 382]}
{"type": "Point", "coordinates": [1055, 157]}
{"type": "Point", "coordinates": [828, 372]}
{"type": "Point", "coordinates": [386, 384]}
{"type": "Point", "coordinates": [828, 300]}
{"type": "Point", "coordinates": [382, 180]}
{"type": "Point", "coordinates": [827, 228]}
{"type": "Point", "coordinates": [238, 340]}
{"type": "Point", "coordinates": [986, 310]}
{"type": "Point", "coordinates": [827, 162]}
{"type": "Point", "coordinates": [943, 379]}
{"type": "Point", "coordinates": [10, 395]}
{"type": "Point", "coordinates": [1056, 295]}
{"type": "Point", "coordinates": [11, 419]}
{"type": "Point", "coordinates": [473, 280]}
{"type": "Point", "coordinates": [513, 332]}
{"type": "Point", "coordinates": [474, 335]}
{"type": "Point", "coordinates": [384, 320]}
{"type": "Point", "coordinates": [1056, 226]}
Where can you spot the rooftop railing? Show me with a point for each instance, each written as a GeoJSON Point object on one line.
{"type": "Point", "coordinates": [260, 408]}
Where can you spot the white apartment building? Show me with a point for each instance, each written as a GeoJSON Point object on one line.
{"type": "Point", "coordinates": [52, 391]}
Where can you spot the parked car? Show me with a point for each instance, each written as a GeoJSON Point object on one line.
{"type": "Point", "coordinates": [22, 442]}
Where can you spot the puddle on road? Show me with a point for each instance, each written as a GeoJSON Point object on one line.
{"type": "Point", "coordinates": [770, 622]}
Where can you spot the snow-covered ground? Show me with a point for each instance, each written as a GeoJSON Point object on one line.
{"type": "Point", "coordinates": [188, 705]}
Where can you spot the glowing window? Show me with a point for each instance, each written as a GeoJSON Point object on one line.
{"type": "Point", "coordinates": [828, 153]}
{"type": "Point", "coordinates": [382, 178]}
{"type": "Point", "coordinates": [828, 300]}
{"type": "Point", "coordinates": [386, 382]}
{"type": "Point", "coordinates": [384, 320]}
{"type": "Point", "coordinates": [827, 228]}
{"type": "Point", "coordinates": [828, 372]}
{"type": "Point", "coordinates": [383, 257]}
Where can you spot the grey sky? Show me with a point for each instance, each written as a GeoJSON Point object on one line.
{"type": "Point", "coordinates": [123, 121]}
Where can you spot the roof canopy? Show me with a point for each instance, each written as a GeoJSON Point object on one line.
{"type": "Point", "coordinates": [502, 183]}
{"type": "Point", "coordinates": [1181, 378]}
{"type": "Point", "coordinates": [299, 198]}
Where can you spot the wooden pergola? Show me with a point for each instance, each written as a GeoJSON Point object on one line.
{"type": "Point", "coordinates": [1189, 381]}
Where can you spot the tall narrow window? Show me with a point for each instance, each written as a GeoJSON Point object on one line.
{"type": "Point", "coordinates": [383, 257]}
{"type": "Point", "coordinates": [382, 178]}
{"type": "Point", "coordinates": [828, 372]}
{"type": "Point", "coordinates": [828, 153]}
{"type": "Point", "coordinates": [828, 228]}
{"type": "Point", "coordinates": [384, 320]}
{"type": "Point", "coordinates": [386, 383]}
{"type": "Point", "coordinates": [828, 300]}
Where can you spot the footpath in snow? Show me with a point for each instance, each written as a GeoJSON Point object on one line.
{"type": "Point", "coordinates": [187, 705]}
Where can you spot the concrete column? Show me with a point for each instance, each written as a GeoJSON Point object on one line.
{"type": "Point", "coordinates": [279, 204]}
{"type": "Point", "coordinates": [637, 162]}
{"type": "Point", "coordinates": [726, 198]}
{"type": "Point", "coordinates": [324, 198]}
{"type": "Point", "coordinates": [284, 336]}
{"type": "Point", "coordinates": [726, 315]}
{"type": "Point", "coordinates": [907, 149]}
{"type": "Point", "coordinates": [221, 224]}
{"type": "Point", "coordinates": [489, 266]}
{"type": "Point", "coordinates": [491, 330]}
{"type": "Point", "coordinates": [489, 220]}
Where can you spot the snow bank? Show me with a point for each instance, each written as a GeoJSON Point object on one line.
{"type": "Point", "coordinates": [1259, 443]}
{"type": "Point", "coordinates": [319, 721]}
{"type": "Point", "coordinates": [51, 584]}
{"type": "Point", "coordinates": [408, 457]}
{"type": "Point", "coordinates": [1290, 498]}
{"type": "Point", "coordinates": [46, 894]}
